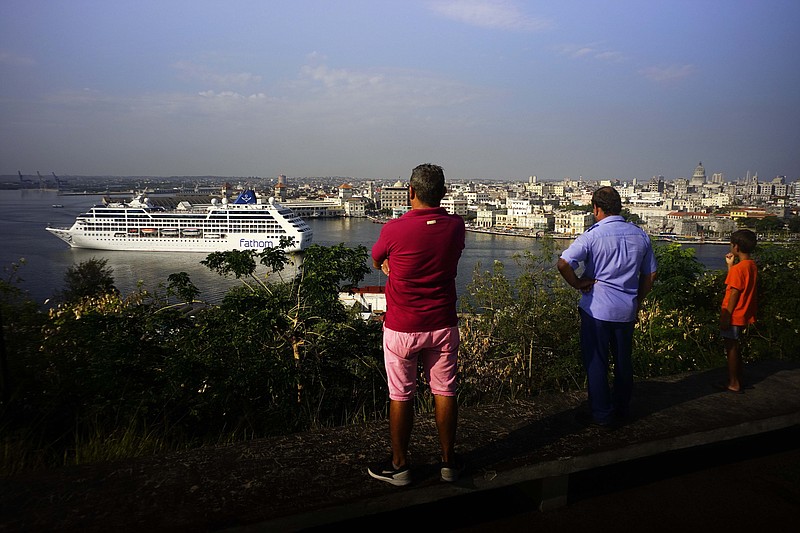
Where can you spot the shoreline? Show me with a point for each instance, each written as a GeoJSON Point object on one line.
{"type": "Point", "coordinates": [678, 239]}
{"type": "Point", "coordinates": [540, 234]}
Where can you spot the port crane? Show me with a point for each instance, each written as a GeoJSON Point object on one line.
{"type": "Point", "coordinates": [59, 181]}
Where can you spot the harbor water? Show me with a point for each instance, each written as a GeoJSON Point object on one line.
{"type": "Point", "coordinates": [24, 214]}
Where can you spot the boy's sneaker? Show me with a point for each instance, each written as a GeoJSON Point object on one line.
{"type": "Point", "coordinates": [452, 471]}
{"type": "Point", "coordinates": [386, 471]}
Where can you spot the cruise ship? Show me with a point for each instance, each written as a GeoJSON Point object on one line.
{"type": "Point", "coordinates": [138, 225]}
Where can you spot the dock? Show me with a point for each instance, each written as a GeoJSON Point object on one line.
{"type": "Point", "coordinates": [318, 478]}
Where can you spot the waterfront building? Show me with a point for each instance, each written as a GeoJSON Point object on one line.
{"type": "Point", "coordinates": [519, 206]}
{"type": "Point", "coordinates": [395, 196]}
{"type": "Point", "coordinates": [316, 208]}
{"type": "Point", "coordinates": [572, 222]}
{"type": "Point", "coordinates": [356, 207]}
{"type": "Point", "coordinates": [345, 192]}
{"type": "Point", "coordinates": [486, 218]}
{"type": "Point", "coordinates": [537, 221]}
{"type": "Point", "coordinates": [504, 220]}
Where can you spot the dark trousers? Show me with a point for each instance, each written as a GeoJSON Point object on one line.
{"type": "Point", "coordinates": [598, 339]}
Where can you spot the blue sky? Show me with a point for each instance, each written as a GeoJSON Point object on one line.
{"type": "Point", "coordinates": [486, 88]}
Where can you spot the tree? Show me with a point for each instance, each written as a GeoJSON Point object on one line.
{"type": "Point", "coordinates": [518, 336]}
{"type": "Point", "coordinates": [181, 285]}
{"type": "Point", "coordinates": [19, 316]}
{"type": "Point", "coordinates": [769, 224]}
{"type": "Point", "coordinates": [242, 263]}
{"type": "Point", "coordinates": [775, 333]}
{"type": "Point", "coordinates": [328, 270]}
{"type": "Point", "coordinates": [87, 279]}
{"type": "Point", "coordinates": [289, 313]}
{"type": "Point", "coordinates": [678, 269]}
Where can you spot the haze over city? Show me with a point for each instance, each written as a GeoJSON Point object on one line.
{"type": "Point", "coordinates": [487, 88]}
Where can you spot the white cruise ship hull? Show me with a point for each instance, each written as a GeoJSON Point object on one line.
{"type": "Point", "coordinates": [138, 226]}
{"type": "Point", "coordinates": [240, 241]}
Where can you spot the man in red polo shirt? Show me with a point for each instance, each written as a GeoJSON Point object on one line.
{"type": "Point", "coordinates": [419, 253]}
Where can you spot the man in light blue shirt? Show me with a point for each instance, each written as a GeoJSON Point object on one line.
{"type": "Point", "coordinates": [619, 271]}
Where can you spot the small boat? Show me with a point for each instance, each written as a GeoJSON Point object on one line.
{"type": "Point", "coordinates": [58, 205]}
{"type": "Point", "coordinates": [191, 232]}
{"type": "Point", "coordinates": [212, 235]}
{"type": "Point", "coordinates": [149, 231]}
{"type": "Point", "coordinates": [169, 232]}
{"type": "Point", "coordinates": [133, 231]}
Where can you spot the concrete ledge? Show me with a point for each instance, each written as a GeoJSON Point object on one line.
{"type": "Point", "coordinates": [319, 477]}
{"type": "Point", "coordinates": [668, 419]}
{"type": "Point", "coordinates": [553, 477]}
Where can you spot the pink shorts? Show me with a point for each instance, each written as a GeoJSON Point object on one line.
{"type": "Point", "coordinates": [439, 352]}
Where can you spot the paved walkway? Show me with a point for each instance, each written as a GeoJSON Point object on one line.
{"type": "Point", "coordinates": [318, 478]}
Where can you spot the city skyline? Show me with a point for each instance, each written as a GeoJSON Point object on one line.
{"type": "Point", "coordinates": [489, 89]}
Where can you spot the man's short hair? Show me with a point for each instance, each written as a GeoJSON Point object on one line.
{"type": "Point", "coordinates": [428, 183]}
{"type": "Point", "coordinates": [607, 199]}
{"type": "Point", "coordinates": [744, 239]}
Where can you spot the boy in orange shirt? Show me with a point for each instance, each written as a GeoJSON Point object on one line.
{"type": "Point", "coordinates": [738, 305]}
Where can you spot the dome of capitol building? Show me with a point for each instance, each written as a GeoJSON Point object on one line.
{"type": "Point", "coordinates": [699, 175]}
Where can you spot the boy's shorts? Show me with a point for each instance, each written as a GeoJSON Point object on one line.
{"type": "Point", "coordinates": [733, 332]}
{"type": "Point", "coordinates": [438, 350]}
